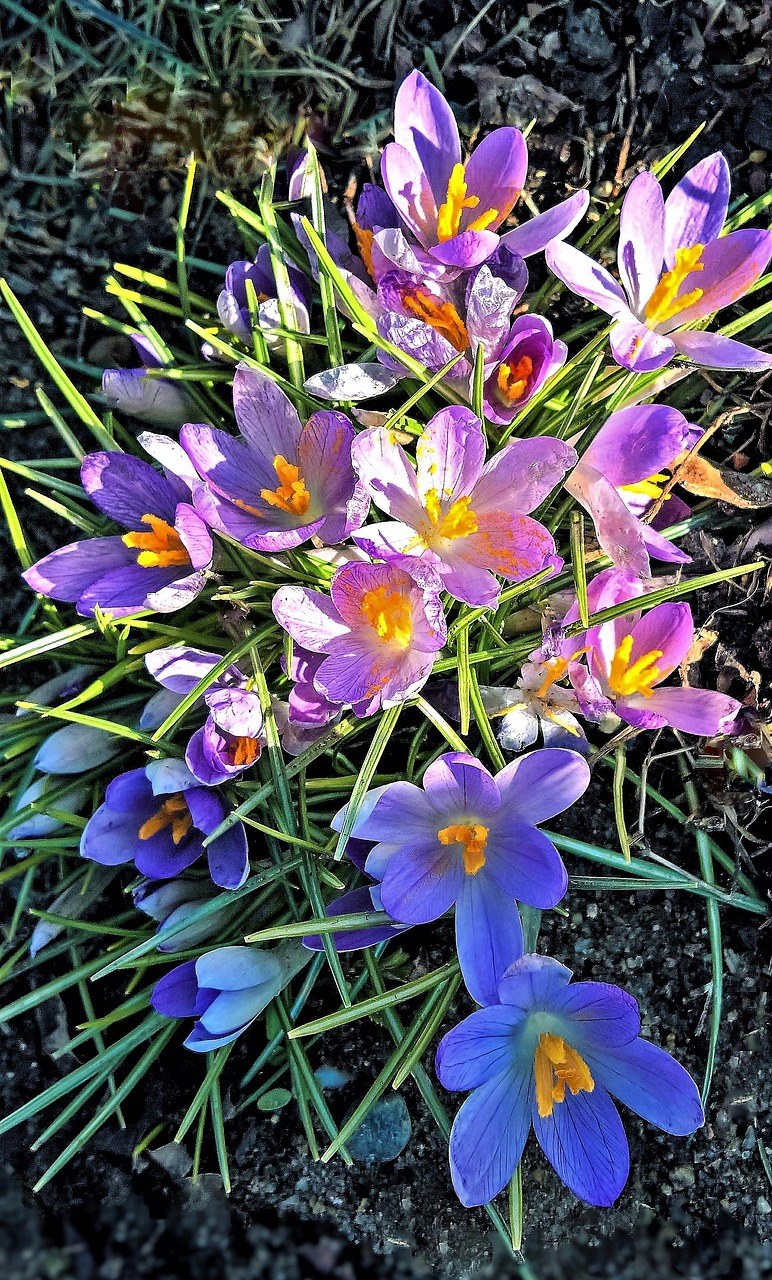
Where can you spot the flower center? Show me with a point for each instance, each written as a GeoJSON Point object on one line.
{"type": "Point", "coordinates": [456, 201]}
{"type": "Point", "coordinates": [665, 302]}
{"type": "Point", "coordinates": [389, 614]}
{"type": "Point", "coordinates": [649, 488]}
{"type": "Point", "coordinates": [555, 1066]}
{"type": "Point", "coordinates": [243, 752]}
{"type": "Point", "coordinates": [513, 379]}
{"type": "Point", "coordinates": [291, 494]}
{"type": "Point", "coordinates": [159, 548]}
{"type": "Point", "coordinates": [459, 521]}
{"type": "Point", "coordinates": [441, 316]}
{"type": "Point", "coordinates": [473, 837]}
{"type": "Point", "coordinates": [626, 678]}
{"type": "Point", "coordinates": [174, 813]}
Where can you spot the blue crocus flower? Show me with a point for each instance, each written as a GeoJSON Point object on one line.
{"type": "Point", "coordinates": [158, 818]}
{"type": "Point", "coordinates": [551, 1054]}
{"type": "Point", "coordinates": [225, 990]}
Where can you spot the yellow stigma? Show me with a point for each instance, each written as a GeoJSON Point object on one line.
{"type": "Point", "coordinates": [456, 201]}
{"type": "Point", "coordinates": [442, 316]}
{"type": "Point", "coordinates": [389, 614]}
{"type": "Point", "coordinates": [555, 1066]}
{"type": "Point", "coordinates": [459, 521]}
{"type": "Point", "coordinates": [513, 379]}
{"type": "Point", "coordinates": [665, 303]}
{"type": "Point", "coordinates": [291, 494]}
{"type": "Point", "coordinates": [172, 813]}
{"type": "Point", "coordinates": [651, 487]}
{"type": "Point", "coordinates": [625, 678]}
{"type": "Point", "coordinates": [243, 751]}
{"type": "Point", "coordinates": [473, 838]}
{"type": "Point", "coordinates": [159, 548]}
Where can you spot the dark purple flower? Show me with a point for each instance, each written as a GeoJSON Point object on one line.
{"type": "Point", "coordinates": [157, 818]}
{"type": "Point", "coordinates": [159, 564]}
{"type": "Point", "coordinates": [163, 401]}
{"type": "Point", "coordinates": [552, 1054]}
{"type": "Point", "coordinates": [283, 482]}
{"type": "Point", "coordinates": [233, 302]}
{"type": "Point", "coordinates": [224, 991]}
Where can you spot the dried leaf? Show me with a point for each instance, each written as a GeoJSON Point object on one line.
{"type": "Point", "coordinates": [705, 480]}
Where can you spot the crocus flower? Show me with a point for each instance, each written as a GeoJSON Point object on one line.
{"type": "Point", "coordinates": [453, 207]}
{"type": "Point", "coordinates": [157, 818]}
{"type": "Point", "coordinates": [232, 737]}
{"type": "Point", "coordinates": [536, 703]}
{"type": "Point", "coordinates": [160, 563]}
{"type": "Point", "coordinates": [169, 902]}
{"type": "Point", "coordinates": [160, 400]}
{"type": "Point", "coordinates": [620, 475]}
{"type": "Point", "coordinates": [282, 483]}
{"type": "Point", "coordinates": [628, 657]}
{"type": "Point", "coordinates": [76, 748]}
{"type": "Point", "coordinates": [224, 990]}
{"type": "Point", "coordinates": [233, 303]}
{"type": "Point", "coordinates": [552, 1054]}
{"type": "Point", "coordinates": [35, 824]}
{"type": "Point", "coordinates": [528, 357]}
{"type": "Point", "coordinates": [379, 629]}
{"type": "Point", "coordinates": [308, 713]}
{"type": "Point", "coordinates": [470, 839]}
{"type": "Point", "coordinates": [458, 520]}
{"type": "Point", "coordinates": [676, 269]}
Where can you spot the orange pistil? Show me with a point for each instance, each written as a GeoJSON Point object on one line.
{"type": "Point", "coordinates": [456, 201]}
{"type": "Point", "coordinates": [172, 813]}
{"type": "Point", "coordinates": [442, 316]}
{"type": "Point", "coordinates": [291, 494]}
{"type": "Point", "coordinates": [243, 752]}
{"type": "Point", "coordinates": [665, 302]}
{"type": "Point", "coordinates": [389, 614]}
{"type": "Point", "coordinates": [626, 678]}
{"type": "Point", "coordinates": [364, 239]}
{"type": "Point", "coordinates": [459, 521]}
{"type": "Point", "coordinates": [473, 838]}
{"type": "Point", "coordinates": [513, 379]}
{"type": "Point", "coordinates": [556, 1066]}
{"type": "Point", "coordinates": [159, 548]}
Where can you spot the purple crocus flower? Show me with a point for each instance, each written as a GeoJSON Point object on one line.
{"type": "Point", "coordinates": [163, 401]}
{"type": "Point", "coordinates": [527, 358]}
{"type": "Point", "coordinates": [224, 990]}
{"type": "Point", "coordinates": [628, 657]}
{"type": "Point", "coordinates": [308, 713]}
{"type": "Point", "coordinates": [160, 563]}
{"type": "Point", "coordinates": [620, 475]}
{"type": "Point", "coordinates": [552, 1054]}
{"type": "Point", "coordinates": [157, 818]}
{"type": "Point", "coordinates": [454, 208]}
{"type": "Point", "coordinates": [282, 483]}
{"type": "Point", "coordinates": [379, 629]}
{"type": "Point", "coordinates": [232, 738]}
{"type": "Point", "coordinates": [233, 303]}
{"type": "Point", "coordinates": [470, 839]}
{"type": "Point", "coordinates": [457, 520]}
{"type": "Point", "coordinates": [676, 269]}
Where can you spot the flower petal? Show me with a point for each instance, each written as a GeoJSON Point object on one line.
{"type": "Point", "coordinates": [126, 488]}
{"type": "Point", "coordinates": [488, 1136]}
{"type": "Point", "coordinates": [716, 352]}
{"type": "Point", "coordinates": [309, 616]}
{"type": "Point", "coordinates": [423, 879]}
{"type": "Point", "coordinates": [602, 1016]}
{"type": "Point", "coordinates": [66, 573]}
{"type": "Point", "coordinates": [495, 173]}
{"type": "Point", "coordinates": [266, 417]}
{"type": "Point", "coordinates": [480, 1047]}
{"type": "Point", "coordinates": [542, 783]}
{"type": "Point", "coordinates": [641, 238]}
{"type": "Point", "coordinates": [620, 534]}
{"type": "Point", "coordinates": [587, 278]}
{"type": "Point", "coordinates": [174, 995]}
{"type": "Point", "coordinates": [384, 468]}
{"type": "Point", "coordinates": [585, 1143]}
{"type": "Point", "coordinates": [426, 127]}
{"type": "Point", "coordinates": [458, 784]}
{"type": "Point", "coordinates": [700, 711]}
{"type": "Point", "coordinates": [236, 968]}
{"type": "Point", "coordinates": [489, 935]}
{"type": "Point", "coordinates": [695, 210]}
{"type": "Point", "coordinates": [729, 267]}
{"type": "Point", "coordinates": [525, 863]}
{"type": "Point", "coordinates": [554, 224]}
{"type": "Point", "coordinates": [522, 474]}
{"type": "Point", "coordinates": [450, 454]}
{"type": "Point", "coordinates": [638, 348]}
{"type": "Point", "coordinates": [650, 1082]}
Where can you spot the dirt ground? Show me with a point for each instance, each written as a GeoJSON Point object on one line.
{"type": "Point", "coordinates": [611, 87]}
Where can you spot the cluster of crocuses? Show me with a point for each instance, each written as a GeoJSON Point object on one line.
{"type": "Point", "coordinates": [435, 264]}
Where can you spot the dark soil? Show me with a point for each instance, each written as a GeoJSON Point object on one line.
{"type": "Point", "coordinates": [611, 87]}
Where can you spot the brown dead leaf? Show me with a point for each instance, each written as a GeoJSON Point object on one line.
{"type": "Point", "coordinates": [703, 640]}
{"type": "Point", "coordinates": [705, 480]}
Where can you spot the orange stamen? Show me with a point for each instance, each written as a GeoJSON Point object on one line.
{"type": "Point", "coordinates": [389, 614]}
{"type": "Point", "coordinates": [513, 379]}
{"type": "Point", "coordinates": [473, 837]}
{"type": "Point", "coordinates": [665, 302]}
{"type": "Point", "coordinates": [556, 1066]}
{"type": "Point", "coordinates": [291, 494]}
{"type": "Point", "coordinates": [159, 548]}
{"type": "Point", "coordinates": [172, 813]}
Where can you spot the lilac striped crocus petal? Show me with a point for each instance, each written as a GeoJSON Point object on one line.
{"type": "Point", "coordinates": [699, 711]}
{"type": "Point", "coordinates": [554, 224]}
{"type": "Point", "coordinates": [728, 267]}
{"type": "Point", "coordinates": [582, 275]}
{"type": "Point", "coordinates": [713, 351]}
{"type": "Point", "coordinates": [66, 573]}
{"type": "Point", "coordinates": [126, 489]}
{"type": "Point", "coordinates": [495, 174]}
{"type": "Point", "coordinates": [620, 534]}
{"type": "Point", "coordinates": [638, 348]}
{"type": "Point", "coordinates": [466, 250]}
{"type": "Point", "coordinates": [641, 238]}
{"type": "Point", "coordinates": [637, 442]}
{"type": "Point", "coordinates": [162, 401]}
{"type": "Point", "coordinates": [426, 128]}
{"type": "Point", "coordinates": [542, 783]}
{"type": "Point", "coordinates": [696, 209]}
